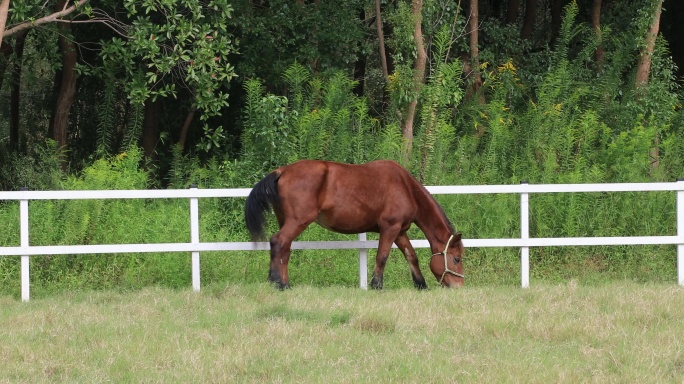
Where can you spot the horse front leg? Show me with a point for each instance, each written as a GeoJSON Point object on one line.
{"type": "Point", "coordinates": [404, 244]}
{"type": "Point", "coordinates": [384, 248]}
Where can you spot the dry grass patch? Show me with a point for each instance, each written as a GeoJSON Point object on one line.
{"type": "Point", "coordinates": [620, 332]}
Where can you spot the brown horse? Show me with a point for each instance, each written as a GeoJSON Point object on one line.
{"type": "Point", "coordinates": [380, 196]}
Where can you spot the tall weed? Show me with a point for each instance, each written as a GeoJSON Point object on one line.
{"type": "Point", "coordinates": [569, 121]}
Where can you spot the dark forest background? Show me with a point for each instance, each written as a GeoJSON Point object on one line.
{"type": "Point", "coordinates": [164, 94]}
{"type": "Point", "coordinates": [202, 81]}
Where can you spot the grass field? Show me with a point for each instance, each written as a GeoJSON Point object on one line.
{"type": "Point", "coordinates": [613, 333]}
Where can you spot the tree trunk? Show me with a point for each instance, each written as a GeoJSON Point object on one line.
{"type": "Point", "coordinates": [644, 70]}
{"type": "Point", "coordinates": [32, 23]}
{"type": "Point", "coordinates": [530, 18]}
{"type": "Point", "coordinates": [387, 30]}
{"type": "Point", "coordinates": [5, 52]}
{"type": "Point", "coordinates": [475, 77]}
{"type": "Point", "coordinates": [15, 97]}
{"type": "Point", "coordinates": [67, 87]}
{"type": "Point", "coordinates": [418, 77]}
{"type": "Point", "coordinates": [381, 40]}
{"type": "Point", "coordinates": [150, 135]}
{"type": "Point", "coordinates": [512, 11]}
{"type": "Point", "coordinates": [4, 10]}
{"type": "Point", "coordinates": [644, 66]}
{"type": "Point", "coordinates": [186, 127]}
{"type": "Point", "coordinates": [599, 55]}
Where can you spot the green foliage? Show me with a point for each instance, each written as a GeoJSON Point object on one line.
{"type": "Point", "coordinates": [331, 127]}
{"type": "Point", "coordinates": [266, 135]}
{"type": "Point", "coordinates": [549, 115]}
{"type": "Point", "coordinates": [322, 119]}
{"type": "Point", "coordinates": [106, 120]}
{"type": "Point", "coordinates": [401, 89]}
{"type": "Point", "coordinates": [436, 133]}
{"type": "Point", "coordinates": [181, 44]}
{"type": "Point", "coordinates": [38, 170]}
{"type": "Point", "coordinates": [327, 35]}
{"type": "Point", "coordinates": [401, 41]}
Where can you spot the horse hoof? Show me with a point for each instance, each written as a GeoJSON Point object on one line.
{"type": "Point", "coordinates": [376, 283]}
{"type": "Point", "coordinates": [421, 287]}
{"type": "Point", "coordinates": [273, 276]}
{"type": "Point", "coordinates": [277, 284]}
{"type": "Point", "coordinates": [283, 287]}
{"type": "Point", "coordinates": [419, 283]}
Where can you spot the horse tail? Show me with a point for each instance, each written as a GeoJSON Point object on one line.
{"type": "Point", "coordinates": [263, 196]}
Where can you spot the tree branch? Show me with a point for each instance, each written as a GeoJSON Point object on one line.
{"type": "Point", "coordinates": [4, 9]}
{"type": "Point", "coordinates": [44, 20]}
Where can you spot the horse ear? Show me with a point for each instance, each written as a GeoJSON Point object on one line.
{"type": "Point", "coordinates": [457, 236]}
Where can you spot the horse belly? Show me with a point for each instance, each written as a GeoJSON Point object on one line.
{"type": "Point", "coordinates": [346, 221]}
{"type": "Point", "coordinates": [351, 201]}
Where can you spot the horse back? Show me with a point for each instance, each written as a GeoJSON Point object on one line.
{"type": "Point", "coordinates": [347, 198]}
{"type": "Point", "coordinates": [321, 177]}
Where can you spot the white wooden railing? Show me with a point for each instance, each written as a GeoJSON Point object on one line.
{"type": "Point", "coordinates": [524, 242]}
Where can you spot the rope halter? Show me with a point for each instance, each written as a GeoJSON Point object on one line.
{"type": "Point", "coordinates": [446, 266]}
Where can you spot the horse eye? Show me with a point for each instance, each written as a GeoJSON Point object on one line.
{"type": "Point", "coordinates": [457, 260]}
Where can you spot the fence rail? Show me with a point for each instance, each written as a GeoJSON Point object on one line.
{"type": "Point", "coordinates": [524, 242]}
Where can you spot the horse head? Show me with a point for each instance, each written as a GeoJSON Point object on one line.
{"type": "Point", "coordinates": [447, 265]}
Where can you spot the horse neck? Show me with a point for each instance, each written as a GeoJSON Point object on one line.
{"type": "Point", "coordinates": [431, 220]}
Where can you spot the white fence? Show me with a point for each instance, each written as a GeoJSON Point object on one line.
{"type": "Point", "coordinates": [524, 242]}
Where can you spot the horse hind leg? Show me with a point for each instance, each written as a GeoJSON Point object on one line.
{"type": "Point", "coordinates": [281, 243]}
{"type": "Point", "coordinates": [273, 270]}
{"type": "Point", "coordinates": [277, 247]}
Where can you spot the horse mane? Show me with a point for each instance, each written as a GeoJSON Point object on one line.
{"type": "Point", "coordinates": [434, 201]}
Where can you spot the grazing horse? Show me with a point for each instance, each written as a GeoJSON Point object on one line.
{"type": "Point", "coordinates": [379, 196]}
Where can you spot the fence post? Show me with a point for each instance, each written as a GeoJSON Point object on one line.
{"type": "Point", "coordinates": [680, 232]}
{"type": "Point", "coordinates": [24, 242]}
{"type": "Point", "coordinates": [524, 235]}
{"type": "Point", "coordinates": [363, 264]}
{"type": "Point", "coordinates": [194, 239]}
